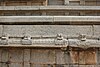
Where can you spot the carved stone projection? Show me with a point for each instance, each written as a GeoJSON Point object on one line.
{"type": "Point", "coordinates": [4, 40]}
{"type": "Point", "coordinates": [57, 41]}
{"type": "Point", "coordinates": [60, 40]}
{"type": "Point", "coordinates": [49, 33]}
{"type": "Point", "coordinates": [84, 42]}
{"type": "Point", "coordinates": [26, 41]}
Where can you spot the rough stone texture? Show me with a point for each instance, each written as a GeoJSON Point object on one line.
{"type": "Point", "coordinates": [55, 2]}
{"type": "Point", "coordinates": [16, 65]}
{"type": "Point", "coordinates": [33, 30]}
{"type": "Point", "coordinates": [84, 44]}
{"type": "Point", "coordinates": [4, 55]}
{"type": "Point", "coordinates": [62, 57]}
{"type": "Point", "coordinates": [43, 56]}
{"type": "Point", "coordinates": [16, 55]}
{"type": "Point", "coordinates": [40, 53]}
{"type": "Point", "coordinates": [13, 30]}
{"type": "Point", "coordinates": [96, 29]}
{"type": "Point", "coordinates": [1, 30]}
{"type": "Point", "coordinates": [27, 57]}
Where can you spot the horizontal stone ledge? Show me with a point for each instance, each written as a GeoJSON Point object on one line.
{"type": "Point", "coordinates": [28, 19]}
{"type": "Point", "coordinates": [49, 46]}
{"type": "Point", "coordinates": [34, 46]}
{"type": "Point", "coordinates": [71, 43]}
{"type": "Point", "coordinates": [77, 19]}
{"type": "Point", "coordinates": [70, 8]}
{"type": "Point", "coordinates": [49, 7]}
{"type": "Point", "coordinates": [84, 44]}
{"type": "Point", "coordinates": [58, 41]}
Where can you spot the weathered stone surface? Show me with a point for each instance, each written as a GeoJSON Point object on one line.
{"type": "Point", "coordinates": [27, 57]}
{"type": "Point", "coordinates": [76, 19]}
{"type": "Point", "coordinates": [32, 19]}
{"type": "Point", "coordinates": [42, 56]}
{"type": "Point", "coordinates": [16, 65]}
{"type": "Point", "coordinates": [16, 55]}
{"type": "Point", "coordinates": [50, 7]}
{"type": "Point", "coordinates": [0, 56]}
{"type": "Point", "coordinates": [33, 30]}
{"type": "Point", "coordinates": [83, 57]}
{"type": "Point", "coordinates": [60, 57]}
{"type": "Point", "coordinates": [4, 55]}
{"type": "Point", "coordinates": [96, 30]}
{"type": "Point", "coordinates": [41, 50]}
{"type": "Point", "coordinates": [26, 41]}
{"type": "Point", "coordinates": [84, 44]}
{"type": "Point", "coordinates": [69, 7]}
{"type": "Point", "coordinates": [63, 57]}
{"type": "Point", "coordinates": [55, 2]}
{"type": "Point", "coordinates": [14, 30]}
{"type": "Point", "coordinates": [20, 19]}
{"type": "Point", "coordinates": [1, 30]}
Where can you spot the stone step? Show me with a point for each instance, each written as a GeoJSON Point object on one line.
{"type": "Point", "coordinates": [49, 19]}
{"type": "Point", "coordinates": [50, 8]}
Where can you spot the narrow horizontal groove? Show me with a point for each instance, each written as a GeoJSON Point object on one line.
{"type": "Point", "coordinates": [51, 20]}
{"type": "Point", "coordinates": [50, 8]}
{"type": "Point", "coordinates": [48, 23]}
{"type": "Point", "coordinates": [53, 36]}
